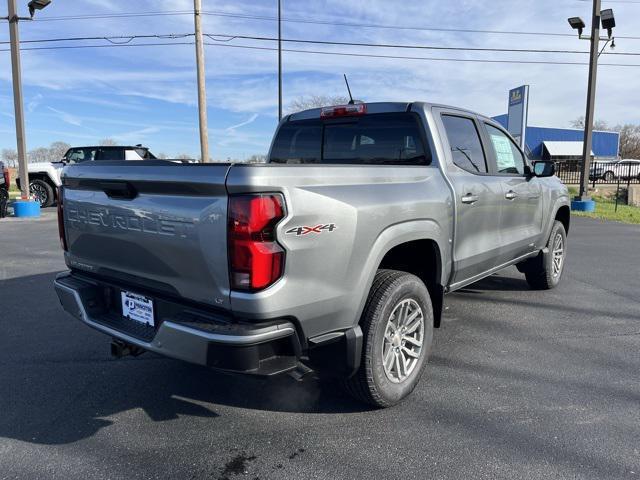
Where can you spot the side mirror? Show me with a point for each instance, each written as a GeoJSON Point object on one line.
{"type": "Point", "coordinates": [544, 169]}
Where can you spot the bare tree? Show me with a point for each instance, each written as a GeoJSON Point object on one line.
{"type": "Point", "coordinates": [40, 154]}
{"type": "Point", "coordinates": [629, 140]}
{"type": "Point", "coordinates": [57, 150]}
{"type": "Point", "coordinates": [258, 158]}
{"type": "Point", "coordinates": [315, 101]}
{"type": "Point", "coordinates": [597, 125]}
{"type": "Point", "coordinates": [108, 142]}
{"type": "Point", "coordinates": [10, 156]}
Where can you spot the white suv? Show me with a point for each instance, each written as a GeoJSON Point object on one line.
{"type": "Point", "coordinates": [44, 177]}
{"type": "Point", "coordinates": [628, 169]}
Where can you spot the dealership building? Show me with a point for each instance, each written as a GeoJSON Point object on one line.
{"type": "Point", "coordinates": [556, 144]}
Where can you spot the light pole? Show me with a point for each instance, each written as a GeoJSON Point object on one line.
{"type": "Point", "coordinates": [279, 60]}
{"type": "Point", "coordinates": [202, 92]}
{"type": "Point", "coordinates": [583, 201]}
{"type": "Point", "coordinates": [14, 38]}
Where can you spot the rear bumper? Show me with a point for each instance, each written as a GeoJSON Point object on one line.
{"type": "Point", "coordinates": [188, 334]}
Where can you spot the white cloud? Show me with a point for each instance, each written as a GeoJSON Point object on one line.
{"type": "Point", "coordinates": [242, 124]}
{"type": "Point", "coordinates": [34, 102]}
{"type": "Point", "coordinates": [67, 117]}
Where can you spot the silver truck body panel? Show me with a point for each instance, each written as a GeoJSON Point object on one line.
{"type": "Point", "coordinates": [374, 209]}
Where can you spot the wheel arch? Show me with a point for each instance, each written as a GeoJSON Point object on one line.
{"type": "Point", "coordinates": [399, 247]}
{"type": "Point", "coordinates": [45, 177]}
{"type": "Point", "coordinates": [563, 215]}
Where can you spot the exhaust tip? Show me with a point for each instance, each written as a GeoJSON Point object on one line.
{"type": "Point", "coordinates": [121, 349]}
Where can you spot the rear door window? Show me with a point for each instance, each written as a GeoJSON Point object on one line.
{"type": "Point", "coordinates": [385, 138]}
{"type": "Point", "coordinates": [464, 140]}
{"type": "Point", "coordinates": [298, 142]}
{"type": "Point", "coordinates": [110, 154]}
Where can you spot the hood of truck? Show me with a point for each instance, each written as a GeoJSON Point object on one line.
{"type": "Point", "coordinates": [41, 166]}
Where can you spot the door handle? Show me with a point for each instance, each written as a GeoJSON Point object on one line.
{"type": "Point", "coordinates": [469, 198]}
{"type": "Point", "coordinates": [510, 195]}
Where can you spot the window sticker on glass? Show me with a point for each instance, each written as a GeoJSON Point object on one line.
{"type": "Point", "coordinates": [504, 154]}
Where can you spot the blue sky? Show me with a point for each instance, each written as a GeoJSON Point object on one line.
{"type": "Point", "coordinates": [148, 94]}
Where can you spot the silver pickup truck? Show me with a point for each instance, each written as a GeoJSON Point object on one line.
{"type": "Point", "coordinates": [333, 257]}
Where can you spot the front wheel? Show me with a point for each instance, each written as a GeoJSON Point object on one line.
{"type": "Point", "coordinates": [397, 327]}
{"type": "Point", "coordinates": [544, 271]}
{"type": "Point", "coordinates": [608, 176]}
{"type": "Point", "coordinates": [42, 192]}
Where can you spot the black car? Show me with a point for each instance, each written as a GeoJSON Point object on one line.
{"type": "Point", "coordinates": [4, 189]}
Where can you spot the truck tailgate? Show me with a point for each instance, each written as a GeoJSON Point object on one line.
{"type": "Point", "coordinates": [158, 226]}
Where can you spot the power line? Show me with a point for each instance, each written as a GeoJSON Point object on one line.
{"type": "Point", "coordinates": [319, 52]}
{"type": "Point", "coordinates": [228, 38]}
{"type": "Point", "coordinates": [111, 39]}
{"type": "Point", "coordinates": [314, 22]}
{"type": "Point", "coordinates": [99, 16]}
{"type": "Point", "coordinates": [418, 47]}
{"type": "Point", "coordinates": [399, 57]}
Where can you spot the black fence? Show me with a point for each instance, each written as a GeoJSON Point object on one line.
{"type": "Point", "coordinates": [611, 173]}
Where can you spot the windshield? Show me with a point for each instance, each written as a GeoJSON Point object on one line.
{"type": "Point", "coordinates": [384, 138]}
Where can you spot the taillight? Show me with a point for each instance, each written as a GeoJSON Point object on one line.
{"type": "Point", "coordinates": [7, 177]}
{"type": "Point", "coordinates": [255, 259]}
{"type": "Point", "coordinates": [350, 110]}
{"type": "Point", "coordinates": [63, 238]}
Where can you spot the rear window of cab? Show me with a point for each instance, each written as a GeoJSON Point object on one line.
{"type": "Point", "coordinates": [381, 138]}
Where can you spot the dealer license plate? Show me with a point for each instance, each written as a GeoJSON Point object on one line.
{"type": "Point", "coordinates": [137, 307]}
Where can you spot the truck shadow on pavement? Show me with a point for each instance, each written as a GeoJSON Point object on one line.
{"type": "Point", "coordinates": [63, 386]}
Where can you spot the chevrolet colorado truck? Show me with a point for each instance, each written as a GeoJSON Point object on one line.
{"type": "Point", "coordinates": [333, 257]}
{"type": "Point", "coordinates": [44, 177]}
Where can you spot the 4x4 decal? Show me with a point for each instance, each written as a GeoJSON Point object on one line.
{"type": "Point", "coordinates": [304, 230]}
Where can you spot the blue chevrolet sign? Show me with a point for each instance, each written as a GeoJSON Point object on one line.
{"type": "Point", "coordinates": [516, 96]}
{"type": "Point", "coordinates": [518, 107]}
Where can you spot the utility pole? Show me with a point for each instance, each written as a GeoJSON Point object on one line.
{"type": "Point", "coordinates": [202, 93]}
{"type": "Point", "coordinates": [14, 38]}
{"type": "Point", "coordinates": [279, 60]}
{"type": "Point", "coordinates": [583, 195]}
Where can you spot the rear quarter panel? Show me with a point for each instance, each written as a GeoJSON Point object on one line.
{"type": "Point", "coordinates": [328, 275]}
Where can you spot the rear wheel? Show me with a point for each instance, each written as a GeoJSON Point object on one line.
{"type": "Point", "coordinates": [397, 327]}
{"type": "Point", "coordinates": [544, 271]}
{"type": "Point", "coordinates": [42, 192]}
{"type": "Point", "coordinates": [608, 176]}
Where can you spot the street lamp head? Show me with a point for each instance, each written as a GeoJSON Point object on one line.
{"type": "Point", "coordinates": [608, 20]}
{"type": "Point", "coordinates": [577, 24]}
{"type": "Point", "coordinates": [37, 5]}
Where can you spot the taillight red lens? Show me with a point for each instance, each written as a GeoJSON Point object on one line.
{"type": "Point", "coordinates": [61, 232]}
{"type": "Point", "coordinates": [255, 259]}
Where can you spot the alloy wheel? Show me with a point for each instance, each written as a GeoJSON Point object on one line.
{"type": "Point", "coordinates": [403, 338]}
{"type": "Point", "coordinates": [558, 255]}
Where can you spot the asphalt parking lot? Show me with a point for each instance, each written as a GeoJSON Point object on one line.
{"type": "Point", "coordinates": [521, 384]}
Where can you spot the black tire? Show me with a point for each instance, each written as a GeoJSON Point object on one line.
{"type": "Point", "coordinates": [42, 191]}
{"type": "Point", "coordinates": [608, 176]}
{"type": "Point", "coordinates": [371, 383]}
{"type": "Point", "coordinates": [4, 202]}
{"type": "Point", "coordinates": [540, 272]}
